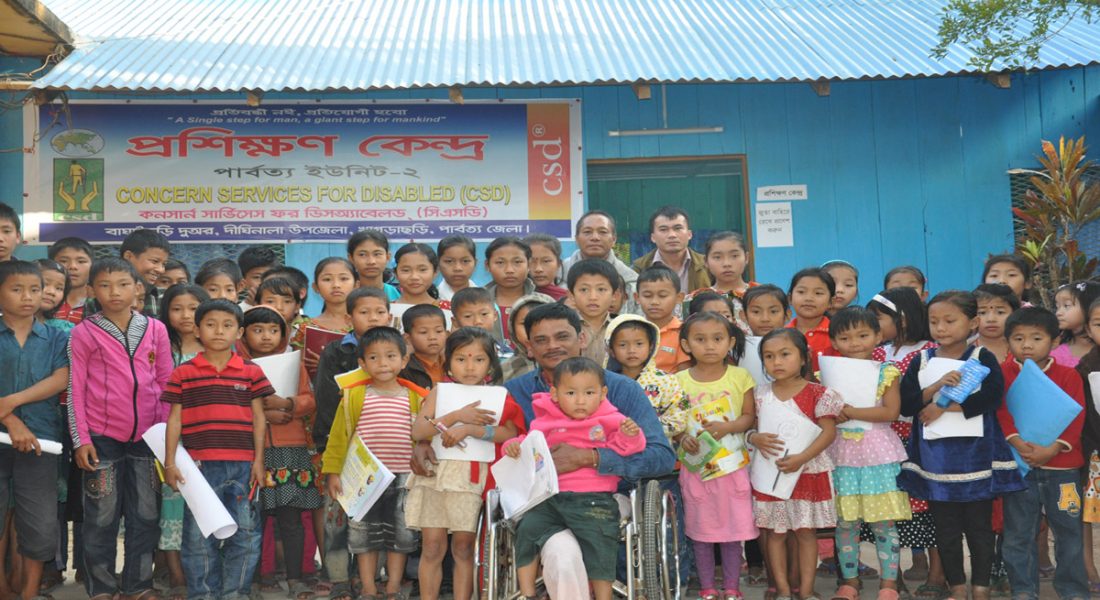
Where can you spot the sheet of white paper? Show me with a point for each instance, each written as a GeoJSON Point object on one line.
{"type": "Point", "coordinates": [1094, 385]}
{"type": "Point", "coordinates": [399, 309]}
{"type": "Point", "coordinates": [282, 371]}
{"type": "Point", "coordinates": [797, 433]}
{"type": "Point", "coordinates": [362, 480]}
{"type": "Point", "coordinates": [855, 380]}
{"type": "Point", "coordinates": [774, 225]}
{"type": "Point", "coordinates": [751, 360]}
{"type": "Point", "coordinates": [453, 396]}
{"type": "Point", "coordinates": [954, 424]}
{"type": "Point", "coordinates": [526, 481]}
{"type": "Point", "coordinates": [47, 446]}
{"type": "Point", "coordinates": [210, 514]}
{"type": "Point", "coordinates": [950, 424]}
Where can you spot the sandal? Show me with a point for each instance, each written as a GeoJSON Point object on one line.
{"type": "Point", "coordinates": [887, 594]}
{"type": "Point", "coordinates": [322, 587]}
{"type": "Point", "coordinates": [268, 583]}
{"type": "Point", "coordinates": [709, 594]}
{"type": "Point", "coordinates": [931, 591]}
{"type": "Point", "coordinates": [1046, 573]}
{"type": "Point", "coordinates": [177, 593]}
{"type": "Point", "coordinates": [846, 592]}
{"type": "Point", "coordinates": [341, 591]}
{"type": "Point", "coordinates": [299, 590]}
{"type": "Point", "coordinates": [771, 594]}
{"type": "Point", "coordinates": [732, 595]}
{"type": "Point", "coordinates": [50, 581]}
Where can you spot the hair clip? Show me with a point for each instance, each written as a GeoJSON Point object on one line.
{"type": "Point", "coordinates": [1081, 285]}
{"type": "Point", "coordinates": [883, 300]}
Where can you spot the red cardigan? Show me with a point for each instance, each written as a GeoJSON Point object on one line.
{"type": "Point", "coordinates": [1070, 381]}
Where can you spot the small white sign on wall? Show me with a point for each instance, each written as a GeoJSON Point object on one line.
{"type": "Point", "coordinates": [774, 225]}
{"type": "Point", "coordinates": [778, 193]}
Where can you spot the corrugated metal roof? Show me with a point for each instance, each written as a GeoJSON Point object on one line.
{"type": "Point", "coordinates": [318, 45]}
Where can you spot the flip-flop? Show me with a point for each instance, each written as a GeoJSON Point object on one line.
{"type": "Point", "coordinates": [931, 591]}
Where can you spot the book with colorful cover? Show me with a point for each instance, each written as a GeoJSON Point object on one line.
{"type": "Point", "coordinates": [362, 480]}
{"type": "Point", "coordinates": [733, 455]}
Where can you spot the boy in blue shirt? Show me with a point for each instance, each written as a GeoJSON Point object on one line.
{"type": "Point", "coordinates": [34, 369]}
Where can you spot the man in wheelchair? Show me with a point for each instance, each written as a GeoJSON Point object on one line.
{"type": "Point", "coordinates": [555, 334]}
{"type": "Point", "coordinates": [576, 411]}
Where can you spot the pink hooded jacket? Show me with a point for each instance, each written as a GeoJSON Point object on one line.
{"type": "Point", "coordinates": [116, 378]}
{"type": "Point", "coordinates": [600, 430]}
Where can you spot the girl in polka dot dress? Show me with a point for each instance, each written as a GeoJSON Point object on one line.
{"type": "Point", "coordinates": [867, 462]}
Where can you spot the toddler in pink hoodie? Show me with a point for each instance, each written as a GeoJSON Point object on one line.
{"type": "Point", "coordinates": [577, 412]}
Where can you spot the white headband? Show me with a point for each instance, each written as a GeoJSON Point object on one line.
{"type": "Point", "coordinates": [885, 302]}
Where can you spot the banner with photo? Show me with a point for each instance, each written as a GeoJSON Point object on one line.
{"type": "Point", "coordinates": [302, 170]}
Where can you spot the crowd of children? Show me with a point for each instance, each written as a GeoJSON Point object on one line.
{"type": "Point", "coordinates": [94, 352]}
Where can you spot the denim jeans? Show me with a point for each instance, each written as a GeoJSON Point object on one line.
{"type": "Point", "coordinates": [223, 569]}
{"type": "Point", "coordinates": [124, 485]}
{"type": "Point", "coordinates": [1058, 494]}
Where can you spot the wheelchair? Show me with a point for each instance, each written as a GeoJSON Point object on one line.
{"type": "Point", "coordinates": [650, 533]}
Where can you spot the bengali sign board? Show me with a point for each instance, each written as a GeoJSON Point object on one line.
{"type": "Point", "coordinates": [304, 171]}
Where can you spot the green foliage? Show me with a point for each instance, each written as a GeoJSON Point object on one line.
{"type": "Point", "coordinates": [1007, 34]}
{"type": "Point", "coordinates": [1053, 214]}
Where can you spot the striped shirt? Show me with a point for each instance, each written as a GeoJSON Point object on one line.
{"type": "Point", "coordinates": [217, 406]}
{"type": "Point", "coordinates": [385, 426]}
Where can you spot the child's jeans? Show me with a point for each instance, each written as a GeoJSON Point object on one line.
{"type": "Point", "coordinates": [1058, 494]}
{"type": "Point", "coordinates": [223, 569]}
{"type": "Point", "coordinates": [124, 485]}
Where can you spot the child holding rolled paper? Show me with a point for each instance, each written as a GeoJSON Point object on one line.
{"type": "Point", "coordinates": [960, 476]}
{"type": "Point", "coordinates": [867, 461]}
{"type": "Point", "coordinates": [1053, 479]}
{"type": "Point", "coordinates": [33, 371]}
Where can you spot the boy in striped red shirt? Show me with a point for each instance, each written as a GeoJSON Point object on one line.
{"type": "Point", "coordinates": [217, 403]}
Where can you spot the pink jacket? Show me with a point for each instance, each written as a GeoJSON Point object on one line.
{"type": "Point", "coordinates": [601, 430]}
{"type": "Point", "coordinates": [117, 378]}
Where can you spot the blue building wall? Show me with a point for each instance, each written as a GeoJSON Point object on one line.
{"type": "Point", "coordinates": [899, 172]}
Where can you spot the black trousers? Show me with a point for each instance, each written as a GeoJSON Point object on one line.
{"type": "Point", "coordinates": [975, 521]}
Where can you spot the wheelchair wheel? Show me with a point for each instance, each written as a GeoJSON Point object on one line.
{"type": "Point", "coordinates": [660, 557]}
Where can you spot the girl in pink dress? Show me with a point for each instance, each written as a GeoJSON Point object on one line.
{"type": "Point", "coordinates": [868, 458]}
{"type": "Point", "coordinates": [717, 499]}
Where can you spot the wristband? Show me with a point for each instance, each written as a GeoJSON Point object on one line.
{"type": "Point", "coordinates": [490, 431]}
{"type": "Point", "coordinates": [748, 435]}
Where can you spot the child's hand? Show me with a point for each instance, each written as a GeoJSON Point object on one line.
{"type": "Point", "coordinates": [277, 416]}
{"type": "Point", "coordinates": [843, 416]}
{"type": "Point", "coordinates": [332, 485]}
{"type": "Point", "coordinates": [172, 476]}
{"type": "Point", "coordinates": [86, 457]}
{"type": "Point", "coordinates": [21, 438]}
{"type": "Point", "coordinates": [1041, 455]}
{"type": "Point", "coordinates": [950, 378]}
{"type": "Point", "coordinates": [274, 402]}
{"type": "Point", "coordinates": [512, 449]}
{"type": "Point", "coordinates": [310, 359]}
{"type": "Point", "coordinates": [791, 463]}
{"type": "Point", "coordinates": [629, 428]}
{"type": "Point", "coordinates": [716, 429]}
{"type": "Point", "coordinates": [472, 415]}
{"type": "Point", "coordinates": [454, 435]}
{"type": "Point", "coordinates": [768, 444]}
{"type": "Point", "coordinates": [5, 407]}
{"type": "Point", "coordinates": [690, 444]}
{"type": "Point", "coordinates": [930, 413]}
{"type": "Point", "coordinates": [259, 475]}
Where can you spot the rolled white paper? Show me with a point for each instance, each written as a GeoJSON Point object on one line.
{"type": "Point", "coordinates": [48, 446]}
{"type": "Point", "coordinates": [210, 514]}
